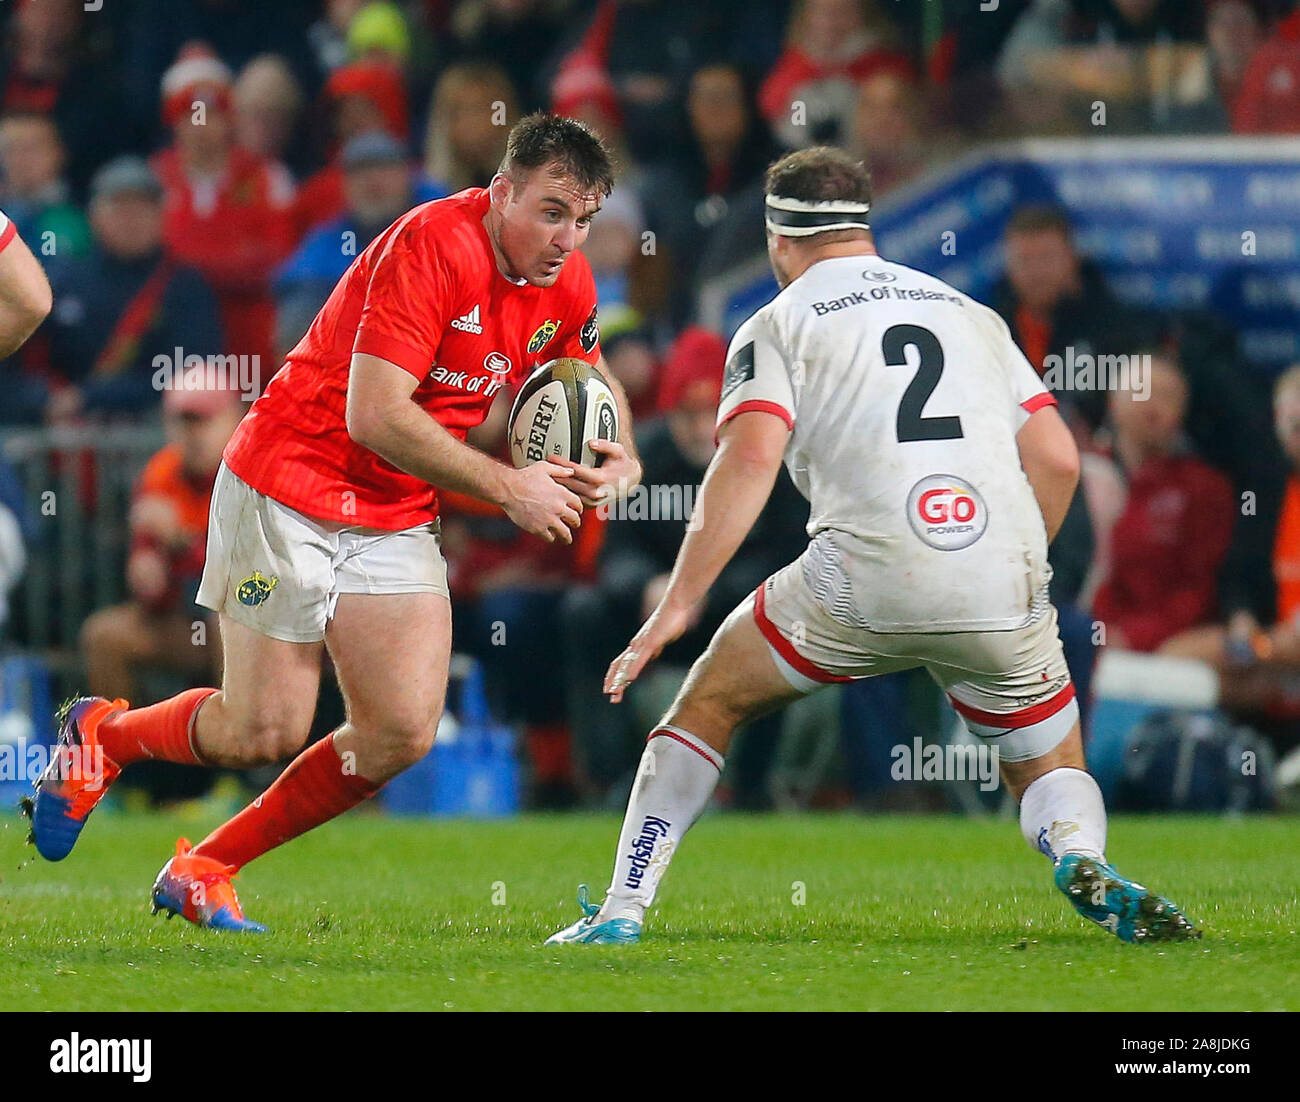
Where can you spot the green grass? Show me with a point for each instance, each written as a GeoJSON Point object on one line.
{"type": "Point", "coordinates": [899, 913]}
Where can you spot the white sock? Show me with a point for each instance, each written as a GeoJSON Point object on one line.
{"type": "Point", "coordinates": [1062, 812]}
{"type": "Point", "coordinates": [677, 775]}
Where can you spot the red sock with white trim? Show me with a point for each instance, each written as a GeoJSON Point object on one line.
{"type": "Point", "coordinates": [677, 775]}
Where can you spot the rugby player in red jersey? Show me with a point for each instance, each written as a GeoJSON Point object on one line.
{"type": "Point", "coordinates": [324, 529]}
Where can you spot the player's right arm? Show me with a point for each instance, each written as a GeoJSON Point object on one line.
{"type": "Point", "coordinates": [382, 416]}
{"type": "Point", "coordinates": [1050, 458]}
{"type": "Point", "coordinates": [25, 296]}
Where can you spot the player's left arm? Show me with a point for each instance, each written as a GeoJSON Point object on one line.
{"type": "Point", "coordinates": [620, 471]}
{"type": "Point", "coordinates": [751, 447]}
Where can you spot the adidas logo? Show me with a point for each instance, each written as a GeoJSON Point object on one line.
{"type": "Point", "coordinates": [468, 323]}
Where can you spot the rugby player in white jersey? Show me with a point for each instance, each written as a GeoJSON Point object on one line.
{"type": "Point", "coordinates": [938, 469]}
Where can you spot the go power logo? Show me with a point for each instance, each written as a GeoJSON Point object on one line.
{"type": "Point", "coordinates": [947, 512]}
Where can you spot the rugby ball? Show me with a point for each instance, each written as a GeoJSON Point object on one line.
{"type": "Point", "coordinates": [561, 406]}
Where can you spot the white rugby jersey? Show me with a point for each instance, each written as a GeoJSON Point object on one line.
{"type": "Point", "coordinates": [904, 397]}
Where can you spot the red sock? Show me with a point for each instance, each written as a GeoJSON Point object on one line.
{"type": "Point", "coordinates": [160, 731]}
{"type": "Point", "coordinates": [312, 790]}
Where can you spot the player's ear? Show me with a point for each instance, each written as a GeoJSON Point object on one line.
{"type": "Point", "coordinates": [499, 191]}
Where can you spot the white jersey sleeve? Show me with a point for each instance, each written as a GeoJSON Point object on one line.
{"type": "Point", "coordinates": [757, 375]}
{"type": "Point", "coordinates": [1027, 390]}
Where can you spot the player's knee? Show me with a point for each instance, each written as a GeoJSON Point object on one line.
{"type": "Point", "coordinates": [406, 739]}
{"type": "Point", "coordinates": [262, 739]}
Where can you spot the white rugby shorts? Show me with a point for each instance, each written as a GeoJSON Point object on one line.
{"type": "Point", "coordinates": [1011, 686]}
{"type": "Point", "coordinates": [280, 572]}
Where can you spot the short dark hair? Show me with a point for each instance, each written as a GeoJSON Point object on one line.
{"type": "Point", "coordinates": [541, 139]}
{"type": "Point", "coordinates": [1040, 218]}
{"type": "Point", "coordinates": [821, 172]}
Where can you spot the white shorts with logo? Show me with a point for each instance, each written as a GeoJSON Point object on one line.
{"type": "Point", "coordinates": [1011, 687]}
{"type": "Point", "coordinates": [280, 572]}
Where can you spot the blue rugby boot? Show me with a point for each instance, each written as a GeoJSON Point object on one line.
{"type": "Point", "coordinates": [76, 779]}
{"type": "Point", "coordinates": [1124, 907]}
{"type": "Point", "coordinates": [587, 931]}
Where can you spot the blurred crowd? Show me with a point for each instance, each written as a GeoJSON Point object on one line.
{"type": "Point", "coordinates": [197, 174]}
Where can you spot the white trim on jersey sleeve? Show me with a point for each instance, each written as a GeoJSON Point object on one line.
{"type": "Point", "coordinates": [756, 376]}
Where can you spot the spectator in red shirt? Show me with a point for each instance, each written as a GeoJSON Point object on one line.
{"type": "Point", "coordinates": [159, 626]}
{"type": "Point", "coordinates": [833, 45]}
{"type": "Point", "coordinates": [1170, 540]}
{"type": "Point", "coordinates": [227, 211]}
{"type": "Point", "coordinates": [1269, 100]}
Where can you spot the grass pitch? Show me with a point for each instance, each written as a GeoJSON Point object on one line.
{"type": "Point", "coordinates": [757, 913]}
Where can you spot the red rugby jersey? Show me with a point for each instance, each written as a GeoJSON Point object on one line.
{"type": "Point", "coordinates": [427, 296]}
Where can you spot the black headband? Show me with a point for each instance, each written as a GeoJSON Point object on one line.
{"type": "Point", "coordinates": [803, 217]}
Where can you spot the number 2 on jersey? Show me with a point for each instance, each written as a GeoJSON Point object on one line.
{"type": "Point", "coordinates": [911, 425]}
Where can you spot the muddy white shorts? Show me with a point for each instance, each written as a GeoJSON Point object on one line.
{"type": "Point", "coordinates": [280, 572]}
{"type": "Point", "coordinates": [1011, 687]}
